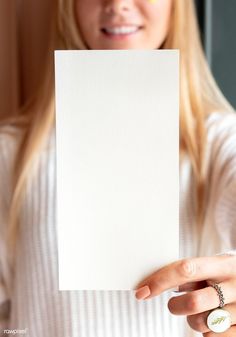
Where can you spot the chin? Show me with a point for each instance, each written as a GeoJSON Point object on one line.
{"type": "Point", "coordinates": [121, 45]}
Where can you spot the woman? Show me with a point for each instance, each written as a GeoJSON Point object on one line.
{"type": "Point", "coordinates": [28, 266]}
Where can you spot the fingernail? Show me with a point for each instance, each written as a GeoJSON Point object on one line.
{"type": "Point", "coordinates": [142, 293]}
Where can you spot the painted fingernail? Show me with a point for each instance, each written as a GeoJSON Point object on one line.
{"type": "Point", "coordinates": [142, 293]}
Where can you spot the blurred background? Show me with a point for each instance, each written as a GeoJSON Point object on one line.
{"type": "Point", "coordinates": [24, 27]}
{"type": "Point", "coordinates": [218, 29]}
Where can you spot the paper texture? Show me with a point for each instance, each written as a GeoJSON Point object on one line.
{"type": "Point", "coordinates": [117, 129]}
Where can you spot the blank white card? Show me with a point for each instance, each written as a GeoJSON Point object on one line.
{"type": "Point", "coordinates": [117, 148]}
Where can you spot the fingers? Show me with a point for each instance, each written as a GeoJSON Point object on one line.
{"type": "Point", "coordinates": [199, 322]}
{"type": "Point", "coordinates": [229, 333]}
{"type": "Point", "coordinates": [193, 286]}
{"type": "Point", "coordinates": [202, 300]}
{"type": "Point", "coordinates": [216, 268]}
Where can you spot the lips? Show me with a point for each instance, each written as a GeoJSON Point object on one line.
{"type": "Point", "coordinates": [120, 30]}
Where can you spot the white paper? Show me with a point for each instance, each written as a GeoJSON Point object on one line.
{"type": "Point", "coordinates": [117, 127]}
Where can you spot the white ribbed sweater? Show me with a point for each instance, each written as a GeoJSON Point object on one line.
{"type": "Point", "coordinates": [37, 306]}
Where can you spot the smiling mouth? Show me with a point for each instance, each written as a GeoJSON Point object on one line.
{"type": "Point", "coordinates": [120, 31]}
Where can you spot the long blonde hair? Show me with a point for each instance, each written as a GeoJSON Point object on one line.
{"type": "Point", "coordinates": [199, 96]}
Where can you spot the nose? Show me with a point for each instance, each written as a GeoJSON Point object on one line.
{"type": "Point", "coordinates": [117, 6]}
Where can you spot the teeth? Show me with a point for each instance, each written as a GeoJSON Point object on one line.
{"type": "Point", "coordinates": [121, 30]}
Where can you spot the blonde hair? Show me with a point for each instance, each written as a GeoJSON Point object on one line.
{"type": "Point", "coordinates": [199, 96]}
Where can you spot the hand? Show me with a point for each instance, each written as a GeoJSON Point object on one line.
{"type": "Point", "coordinates": [193, 276]}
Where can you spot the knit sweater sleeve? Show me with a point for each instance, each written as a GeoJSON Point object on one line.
{"type": "Point", "coordinates": [225, 216]}
{"type": "Point", "coordinates": [223, 181]}
{"type": "Point", "coordinates": [7, 152]}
